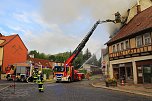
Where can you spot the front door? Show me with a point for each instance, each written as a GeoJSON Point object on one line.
{"type": "Point", "coordinates": [147, 73]}
{"type": "Point", "coordinates": [122, 73]}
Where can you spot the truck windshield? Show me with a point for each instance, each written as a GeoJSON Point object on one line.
{"type": "Point", "coordinates": [58, 69]}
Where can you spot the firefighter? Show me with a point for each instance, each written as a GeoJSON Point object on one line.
{"type": "Point", "coordinates": [40, 82]}
{"type": "Point", "coordinates": [35, 77]}
{"type": "Point", "coordinates": [88, 75]}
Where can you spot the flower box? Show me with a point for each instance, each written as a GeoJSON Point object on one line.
{"type": "Point", "coordinates": [111, 82]}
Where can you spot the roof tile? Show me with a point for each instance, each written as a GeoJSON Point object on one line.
{"type": "Point", "coordinates": [7, 39]}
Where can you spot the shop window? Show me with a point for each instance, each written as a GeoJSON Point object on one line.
{"type": "Point", "coordinates": [139, 41]}
{"type": "Point", "coordinates": [147, 39]}
{"type": "Point", "coordinates": [147, 69]}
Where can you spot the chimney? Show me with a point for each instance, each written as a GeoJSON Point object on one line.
{"type": "Point", "coordinates": [31, 56]}
{"type": "Point", "coordinates": [138, 7]}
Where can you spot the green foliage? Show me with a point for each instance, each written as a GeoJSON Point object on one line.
{"type": "Point", "coordinates": [62, 57]}
{"type": "Point", "coordinates": [47, 71]}
{"type": "Point", "coordinates": [83, 71]}
{"type": "Point", "coordinates": [93, 60]}
{"type": "Point", "coordinates": [99, 62]}
{"type": "Point", "coordinates": [111, 80]}
{"type": "Point", "coordinates": [78, 61]}
{"type": "Point", "coordinates": [51, 58]}
{"type": "Point", "coordinates": [38, 55]}
{"type": "Point", "coordinates": [87, 54]}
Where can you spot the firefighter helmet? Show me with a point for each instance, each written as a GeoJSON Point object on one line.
{"type": "Point", "coordinates": [40, 72]}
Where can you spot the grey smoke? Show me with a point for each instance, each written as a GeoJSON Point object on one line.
{"type": "Point", "coordinates": [66, 11]}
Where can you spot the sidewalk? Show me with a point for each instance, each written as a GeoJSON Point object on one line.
{"type": "Point", "coordinates": [141, 89]}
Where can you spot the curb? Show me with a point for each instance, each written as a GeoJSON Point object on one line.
{"type": "Point", "coordinates": [116, 89]}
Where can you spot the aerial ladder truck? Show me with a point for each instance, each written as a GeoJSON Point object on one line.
{"type": "Point", "coordinates": [67, 72]}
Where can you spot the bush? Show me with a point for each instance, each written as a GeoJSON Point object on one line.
{"type": "Point", "coordinates": [83, 71]}
{"type": "Point", "coordinates": [47, 71]}
{"type": "Point", "coordinates": [111, 82]}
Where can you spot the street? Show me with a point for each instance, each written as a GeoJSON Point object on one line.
{"type": "Point", "coordinates": [75, 91]}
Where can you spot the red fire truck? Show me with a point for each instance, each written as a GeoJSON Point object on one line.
{"type": "Point", "coordinates": [19, 72]}
{"type": "Point", "coordinates": [67, 71]}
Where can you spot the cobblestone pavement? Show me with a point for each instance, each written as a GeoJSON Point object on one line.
{"type": "Point", "coordinates": [75, 91]}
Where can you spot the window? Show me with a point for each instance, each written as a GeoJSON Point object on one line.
{"type": "Point", "coordinates": [139, 41]}
{"type": "Point", "coordinates": [58, 69]}
{"type": "Point", "coordinates": [147, 39]}
{"type": "Point", "coordinates": [127, 44]}
{"type": "Point", "coordinates": [114, 48]}
{"type": "Point", "coordinates": [118, 47]}
{"type": "Point", "coordinates": [122, 46]}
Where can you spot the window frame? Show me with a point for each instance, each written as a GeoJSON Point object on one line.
{"type": "Point", "coordinates": [127, 46]}
{"type": "Point", "coordinates": [118, 47]}
{"type": "Point", "coordinates": [145, 37]}
{"type": "Point", "coordinates": [114, 48]}
{"type": "Point", "coordinates": [140, 40]}
{"type": "Point", "coordinates": [121, 46]}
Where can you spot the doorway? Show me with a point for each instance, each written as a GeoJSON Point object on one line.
{"type": "Point", "coordinates": [122, 73]}
{"type": "Point", "coordinates": [116, 73]}
{"type": "Point", "coordinates": [147, 73]}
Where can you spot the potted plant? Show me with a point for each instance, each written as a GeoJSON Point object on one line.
{"type": "Point", "coordinates": [111, 82]}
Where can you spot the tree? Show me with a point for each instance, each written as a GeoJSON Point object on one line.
{"type": "Point", "coordinates": [93, 60]}
{"type": "Point", "coordinates": [99, 62]}
{"type": "Point", "coordinates": [87, 55]}
{"type": "Point", "coordinates": [78, 61]}
{"type": "Point", "coordinates": [35, 53]}
{"type": "Point", "coordinates": [51, 58]}
{"type": "Point", "coordinates": [42, 56]}
{"type": "Point", "coordinates": [38, 55]}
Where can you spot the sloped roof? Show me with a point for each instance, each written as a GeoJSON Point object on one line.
{"type": "Point", "coordinates": [7, 39]}
{"type": "Point", "coordinates": [22, 64]}
{"type": "Point", "coordinates": [44, 63]}
{"type": "Point", "coordinates": [139, 22]}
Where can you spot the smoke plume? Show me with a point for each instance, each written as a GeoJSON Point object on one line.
{"type": "Point", "coordinates": [66, 11]}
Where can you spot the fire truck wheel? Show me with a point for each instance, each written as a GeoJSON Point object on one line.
{"type": "Point", "coordinates": [57, 81]}
{"type": "Point", "coordinates": [22, 79]}
{"type": "Point", "coordinates": [28, 79]}
{"type": "Point", "coordinates": [69, 79]}
{"type": "Point", "coordinates": [8, 79]}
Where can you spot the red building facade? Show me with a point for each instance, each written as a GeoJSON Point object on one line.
{"type": "Point", "coordinates": [12, 51]}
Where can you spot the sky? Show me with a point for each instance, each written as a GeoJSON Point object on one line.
{"type": "Point", "coordinates": [56, 26]}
